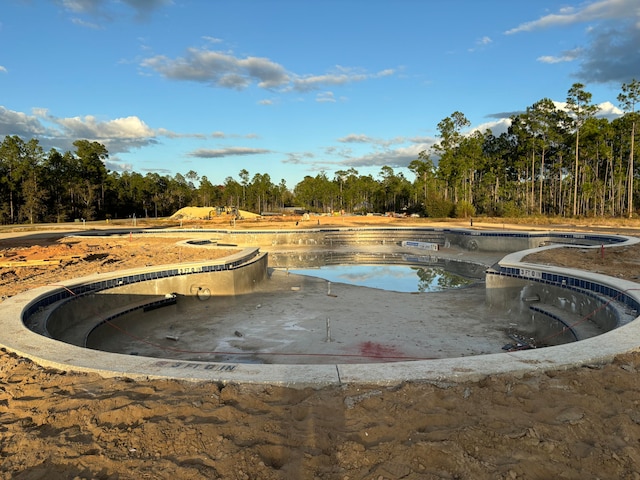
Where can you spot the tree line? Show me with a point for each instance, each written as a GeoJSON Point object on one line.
{"type": "Point", "coordinates": [551, 161]}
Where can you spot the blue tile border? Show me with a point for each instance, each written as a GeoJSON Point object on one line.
{"type": "Point", "coordinates": [66, 294]}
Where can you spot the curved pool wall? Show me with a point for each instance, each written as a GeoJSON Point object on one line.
{"type": "Point", "coordinates": [514, 280]}
{"type": "Point", "coordinates": [70, 312]}
{"type": "Point", "coordinates": [468, 239]}
{"type": "Point", "coordinates": [580, 304]}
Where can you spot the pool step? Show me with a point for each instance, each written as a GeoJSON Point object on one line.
{"type": "Point", "coordinates": [382, 237]}
{"type": "Point", "coordinates": [581, 326]}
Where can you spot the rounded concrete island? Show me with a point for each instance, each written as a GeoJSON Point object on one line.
{"type": "Point", "coordinates": [271, 326]}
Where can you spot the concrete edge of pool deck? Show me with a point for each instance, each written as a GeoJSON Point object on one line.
{"type": "Point", "coordinates": [17, 338]}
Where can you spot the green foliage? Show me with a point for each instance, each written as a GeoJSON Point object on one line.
{"type": "Point", "coordinates": [510, 209]}
{"type": "Point", "coordinates": [549, 162]}
{"type": "Point", "coordinates": [436, 207]}
{"type": "Point", "coordinates": [464, 209]}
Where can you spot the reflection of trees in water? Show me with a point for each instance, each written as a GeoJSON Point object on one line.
{"type": "Point", "coordinates": [435, 278]}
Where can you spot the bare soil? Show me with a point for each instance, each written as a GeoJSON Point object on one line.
{"type": "Point", "coordinates": [582, 423]}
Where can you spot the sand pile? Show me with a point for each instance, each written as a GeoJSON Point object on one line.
{"type": "Point", "coordinates": [207, 213]}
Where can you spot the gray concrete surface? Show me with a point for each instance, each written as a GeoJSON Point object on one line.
{"type": "Point", "coordinates": [360, 321]}
{"type": "Point", "coordinates": [292, 319]}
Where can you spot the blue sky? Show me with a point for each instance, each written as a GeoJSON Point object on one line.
{"type": "Point", "coordinates": [295, 87]}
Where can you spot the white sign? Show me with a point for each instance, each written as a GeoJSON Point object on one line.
{"type": "Point", "coordinates": [422, 245]}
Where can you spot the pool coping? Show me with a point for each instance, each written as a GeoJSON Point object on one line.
{"type": "Point", "coordinates": [17, 338]}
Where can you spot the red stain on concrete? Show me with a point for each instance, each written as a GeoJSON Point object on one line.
{"type": "Point", "coordinates": [378, 350]}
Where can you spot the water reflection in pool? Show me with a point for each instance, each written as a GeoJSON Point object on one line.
{"type": "Point", "coordinates": [398, 278]}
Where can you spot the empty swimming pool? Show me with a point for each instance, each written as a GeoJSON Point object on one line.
{"type": "Point", "coordinates": [306, 334]}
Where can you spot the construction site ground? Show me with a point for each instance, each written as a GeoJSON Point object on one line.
{"type": "Point", "coordinates": [577, 423]}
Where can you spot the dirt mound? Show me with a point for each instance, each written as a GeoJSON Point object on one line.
{"type": "Point", "coordinates": [207, 213]}
{"type": "Point", "coordinates": [582, 423]}
{"type": "Point", "coordinates": [74, 257]}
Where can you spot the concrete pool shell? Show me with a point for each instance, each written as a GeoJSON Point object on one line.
{"type": "Point", "coordinates": [237, 274]}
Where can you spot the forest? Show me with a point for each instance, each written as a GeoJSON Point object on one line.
{"type": "Point", "coordinates": [551, 162]}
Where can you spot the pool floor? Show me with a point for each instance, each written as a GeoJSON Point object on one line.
{"type": "Point", "coordinates": [296, 319]}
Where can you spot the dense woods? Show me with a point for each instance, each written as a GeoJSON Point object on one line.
{"type": "Point", "coordinates": [551, 161]}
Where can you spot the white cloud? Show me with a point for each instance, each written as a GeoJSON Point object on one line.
{"type": "Point", "coordinates": [118, 135]}
{"type": "Point", "coordinates": [599, 10]}
{"type": "Point", "coordinates": [3, 69]}
{"type": "Point", "coordinates": [357, 138]}
{"type": "Point", "coordinates": [381, 142]}
{"type": "Point", "coordinates": [396, 158]}
{"type": "Point", "coordinates": [118, 166]}
{"type": "Point", "coordinates": [567, 56]}
{"type": "Point", "coordinates": [163, 132]}
{"type": "Point", "coordinates": [219, 134]}
{"type": "Point", "coordinates": [605, 109]}
{"type": "Point", "coordinates": [338, 151]}
{"type": "Point", "coordinates": [338, 157]}
{"type": "Point", "coordinates": [503, 121]}
{"type": "Point", "coordinates": [613, 34]}
{"type": "Point", "coordinates": [119, 128]}
{"type": "Point", "coordinates": [19, 123]}
{"type": "Point", "coordinates": [227, 152]}
{"type": "Point", "coordinates": [223, 69]}
{"type": "Point", "coordinates": [340, 76]}
{"type": "Point", "coordinates": [82, 6]}
{"type": "Point", "coordinates": [314, 82]}
{"type": "Point", "coordinates": [109, 8]}
{"type": "Point", "coordinates": [295, 158]}
{"type": "Point", "coordinates": [83, 23]}
{"type": "Point", "coordinates": [212, 39]}
{"type": "Point", "coordinates": [552, 59]}
{"type": "Point", "coordinates": [326, 97]}
{"type": "Point", "coordinates": [497, 127]}
{"type": "Point", "coordinates": [481, 43]}
{"type": "Point", "coordinates": [40, 112]}
{"type": "Point", "coordinates": [219, 69]}
{"type": "Point", "coordinates": [609, 110]}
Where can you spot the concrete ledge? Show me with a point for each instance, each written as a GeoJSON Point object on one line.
{"type": "Point", "coordinates": [473, 240]}
{"type": "Point", "coordinates": [16, 337]}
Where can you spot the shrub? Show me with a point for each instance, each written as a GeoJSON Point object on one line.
{"type": "Point", "coordinates": [464, 209]}
{"type": "Point", "coordinates": [438, 208]}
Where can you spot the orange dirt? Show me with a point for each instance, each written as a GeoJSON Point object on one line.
{"type": "Point", "coordinates": [580, 423]}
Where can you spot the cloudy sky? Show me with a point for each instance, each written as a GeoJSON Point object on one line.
{"type": "Point", "coordinates": [295, 87]}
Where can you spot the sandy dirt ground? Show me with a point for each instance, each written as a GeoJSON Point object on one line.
{"type": "Point", "coordinates": [582, 423]}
